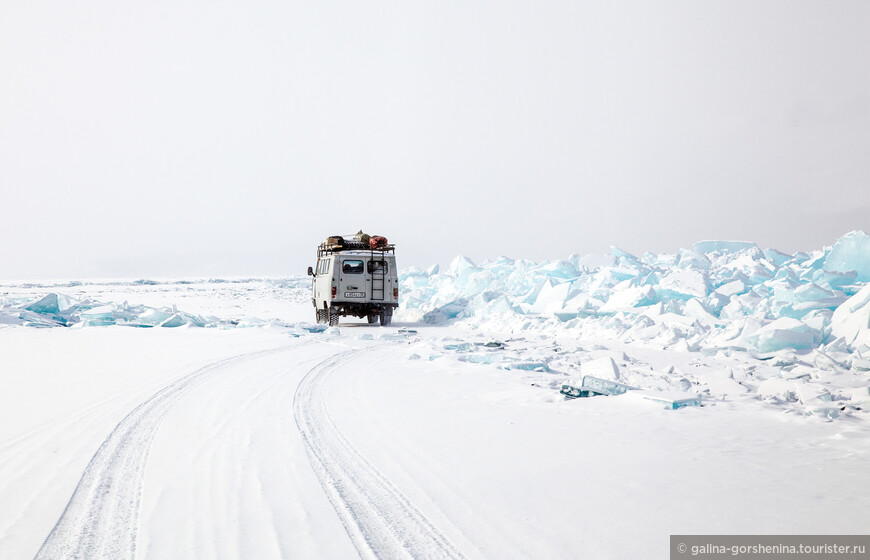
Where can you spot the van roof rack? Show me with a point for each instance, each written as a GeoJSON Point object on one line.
{"type": "Point", "coordinates": [338, 245]}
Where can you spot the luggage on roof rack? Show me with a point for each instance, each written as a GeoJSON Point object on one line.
{"type": "Point", "coordinates": [335, 242]}
{"type": "Point", "coordinates": [377, 241]}
{"type": "Point", "coordinates": [360, 241]}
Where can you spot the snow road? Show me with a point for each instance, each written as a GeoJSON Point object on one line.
{"type": "Point", "coordinates": [101, 519]}
{"type": "Point", "coordinates": [366, 442]}
{"type": "Point", "coordinates": [249, 473]}
{"type": "Point", "coordinates": [380, 520]}
{"type": "Point", "coordinates": [229, 474]}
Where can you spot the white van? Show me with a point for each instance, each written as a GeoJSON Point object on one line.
{"type": "Point", "coordinates": [351, 278]}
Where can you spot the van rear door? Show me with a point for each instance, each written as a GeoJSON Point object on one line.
{"type": "Point", "coordinates": [352, 279]}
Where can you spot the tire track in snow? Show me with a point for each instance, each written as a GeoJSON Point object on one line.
{"type": "Point", "coordinates": [102, 516]}
{"type": "Point", "coordinates": [380, 521]}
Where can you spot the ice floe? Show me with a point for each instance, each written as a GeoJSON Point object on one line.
{"type": "Point", "coordinates": [79, 305]}
{"type": "Point", "coordinates": [716, 295]}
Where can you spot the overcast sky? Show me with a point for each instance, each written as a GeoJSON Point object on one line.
{"type": "Point", "coordinates": [178, 138]}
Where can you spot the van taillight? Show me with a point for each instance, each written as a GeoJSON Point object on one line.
{"type": "Point", "coordinates": [395, 293]}
{"type": "Point", "coordinates": [334, 291]}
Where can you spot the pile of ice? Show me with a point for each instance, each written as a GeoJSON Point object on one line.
{"type": "Point", "coordinates": [58, 310]}
{"type": "Point", "coordinates": [719, 295]}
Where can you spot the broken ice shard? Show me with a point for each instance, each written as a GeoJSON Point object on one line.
{"type": "Point", "coordinates": [603, 386]}
{"type": "Point", "coordinates": [671, 400]}
{"type": "Point", "coordinates": [723, 247]}
{"type": "Point", "coordinates": [851, 252]}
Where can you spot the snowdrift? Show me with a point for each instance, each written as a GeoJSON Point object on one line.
{"type": "Point", "coordinates": [719, 295]}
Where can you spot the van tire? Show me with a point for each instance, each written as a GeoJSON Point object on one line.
{"type": "Point", "coordinates": [386, 318]}
{"type": "Point", "coordinates": [333, 316]}
{"type": "Point", "coordinates": [321, 316]}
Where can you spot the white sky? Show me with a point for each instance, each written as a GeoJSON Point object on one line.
{"type": "Point", "coordinates": [214, 138]}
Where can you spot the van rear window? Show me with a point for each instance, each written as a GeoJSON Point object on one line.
{"type": "Point", "coordinates": [377, 266]}
{"type": "Point", "coordinates": [352, 267]}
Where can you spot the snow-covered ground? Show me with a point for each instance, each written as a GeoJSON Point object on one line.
{"type": "Point", "coordinates": [237, 428]}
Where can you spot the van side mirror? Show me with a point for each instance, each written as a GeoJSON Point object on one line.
{"type": "Point", "coordinates": [310, 271]}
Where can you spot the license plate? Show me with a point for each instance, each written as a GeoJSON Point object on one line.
{"type": "Point", "coordinates": [354, 294]}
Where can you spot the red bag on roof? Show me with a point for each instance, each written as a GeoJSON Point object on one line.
{"type": "Point", "coordinates": [377, 241]}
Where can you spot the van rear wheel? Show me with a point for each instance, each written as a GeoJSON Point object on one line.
{"type": "Point", "coordinates": [333, 316]}
{"type": "Point", "coordinates": [385, 317]}
{"type": "Point", "coordinates": [321, 316]}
